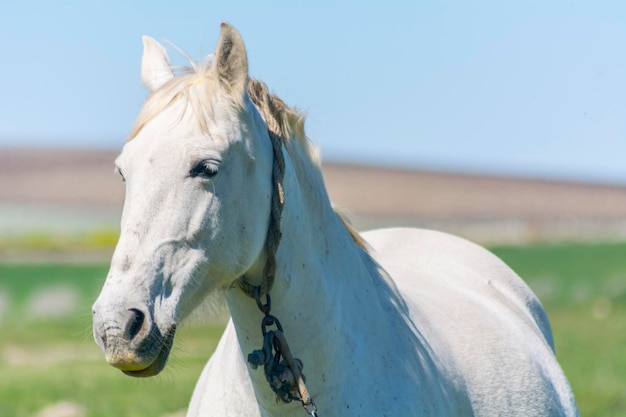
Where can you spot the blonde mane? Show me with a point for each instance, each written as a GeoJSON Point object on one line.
{"type": "Point", "coordinates": [196, 86]}
{"type": "Point", "coordinates": [288, 123]}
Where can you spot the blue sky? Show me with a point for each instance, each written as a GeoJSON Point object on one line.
{"type": "Point", "coordinates": [528, 87]}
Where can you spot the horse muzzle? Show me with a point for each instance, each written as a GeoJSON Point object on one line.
{"type": "Point", "coordinates": [132, 342]}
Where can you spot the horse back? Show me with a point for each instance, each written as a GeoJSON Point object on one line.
{"type": "Point", "coordinates": [484, 327]}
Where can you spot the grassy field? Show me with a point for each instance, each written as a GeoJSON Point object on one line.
{"type": "Point", "coordinates": [47, 355]}
{"type": "Point", "coordinates": [583, 288]}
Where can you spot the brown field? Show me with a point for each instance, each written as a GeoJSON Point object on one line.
{"type": "Point", "coordinates": [63, 190]}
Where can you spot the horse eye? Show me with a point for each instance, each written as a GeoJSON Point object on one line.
{"type": "Point", "coordinates": [119, 171]}
{"type": "Point", "coordinates": [204, 169]}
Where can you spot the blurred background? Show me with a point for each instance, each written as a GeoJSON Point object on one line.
{"type": "Point", "coordinates": [502, 122]}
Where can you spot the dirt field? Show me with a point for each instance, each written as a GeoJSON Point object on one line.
{"type": "Point", "coordinates": [68, 190]}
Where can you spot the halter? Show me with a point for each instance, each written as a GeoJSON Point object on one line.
{"type": "Point", "coordinates": [273, 234]}
{"type": "Point", "coordinates": [284, 376]}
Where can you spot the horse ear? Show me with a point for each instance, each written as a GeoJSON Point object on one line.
{"type": "Point", "coordinates": [156, 69]}
{"type": "Point", "coordinates": [231, 62]}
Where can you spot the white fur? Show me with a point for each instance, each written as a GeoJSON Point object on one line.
{"type": "Point", "coordinates": [155, 66]}
{"type": "Point", "coordinates": [423, 324]}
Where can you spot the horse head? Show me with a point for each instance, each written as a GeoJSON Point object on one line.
{"type": "Point", "coordinates": [197, 171]}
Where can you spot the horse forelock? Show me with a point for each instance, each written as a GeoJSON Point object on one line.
{"type": "Point", "coordinates": [193, 84]}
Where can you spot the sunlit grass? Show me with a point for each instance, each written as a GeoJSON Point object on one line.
{"type": "Point", "coordinates": [583, 289]}
{"type": "Point", "coordinates": [68, 366]}
{"type": "Point", "coordinates": [47, 360]}
{"type": "Point", "coordinates": [33, 241]}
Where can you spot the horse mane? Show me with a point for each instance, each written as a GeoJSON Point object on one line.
{"type": "Point", "coordinates": [286, 122]}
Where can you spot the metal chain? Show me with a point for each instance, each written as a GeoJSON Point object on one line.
{"type": "Point", "coordinates": [284, 376]}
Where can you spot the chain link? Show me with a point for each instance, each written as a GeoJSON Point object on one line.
{"type": "Point", "coordinates": [284, 376]}
{"type": "Point", "coordinates": [265, 308]}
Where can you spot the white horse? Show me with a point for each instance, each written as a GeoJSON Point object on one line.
{"type": "Point", "coordinates": [224, 193]}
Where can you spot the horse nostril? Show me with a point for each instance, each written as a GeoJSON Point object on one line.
{"type": "Point", "coordinates": [134, 324]}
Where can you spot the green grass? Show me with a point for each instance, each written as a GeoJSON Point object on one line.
{"type": "Point", "coordinates": [81, 376]}
{"type": "Point", "coordinates": [571, 274]}
{"type": "Point", "coordinates": [47, 360]}
{"type": "Point", "coordinates": [20, 281]}
{"type": "Point", "coordinates": [583, 288]}
{"type": "Point", "coordinates": [45, 241]}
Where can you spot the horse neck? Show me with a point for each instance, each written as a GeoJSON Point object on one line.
{"type": "Point", "coordinates": [322, 277]}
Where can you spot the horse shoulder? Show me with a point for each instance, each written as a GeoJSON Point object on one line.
{"type": "Point", "coordinates": [224, 387]}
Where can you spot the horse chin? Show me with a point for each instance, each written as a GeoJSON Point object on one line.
{"type": "Point", "coordinates": [161, 360]}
